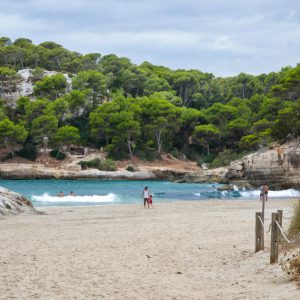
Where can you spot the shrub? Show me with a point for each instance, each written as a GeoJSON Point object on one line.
{"type": "Point", "coordinates": [55, 153]}
{"type": "Point", "coordinates": [130, 168]}
{"type": "Point", "coordinates": [148, 154]}
{"type": "Point", "coordinates": [225, 158]}
{"type": "Point", "coordinates": [90, 164]}
{"type": "Point", "coordinates": [108, 165]}
{"type": "Point", "coordinates": [294, 229]}
{"type": "Point", "coordinates": [29, 152]}
{"type": "Point", "coordinates": [97, 163]}
{"type": "Point", "coordinates": [290, 263]}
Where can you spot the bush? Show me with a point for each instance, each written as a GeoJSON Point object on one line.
{"type": "Point", "coordinates": [130, 168]}
{"type": "Point", "coordinates": [108, 165]}
{"type": "Point", "coordinates": [90, 164]}
{"type": "Point", "coordinates": [29, 152]}
{"type": "Point", "coordinates": [225, 158]}
{"type": "Point", "coordinates": [55, 153]}
{"type": "Point", "coordinates": [175, 152]}
{"type": "Point", "coordinates": [148, 154]}
{"type": "Point", "coordinates": [294, 229]}
{"type": "Point", "coordinates": [97, 163]}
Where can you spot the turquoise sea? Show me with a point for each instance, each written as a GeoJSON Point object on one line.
{"type": "Point", "coordinates": [110, 192]}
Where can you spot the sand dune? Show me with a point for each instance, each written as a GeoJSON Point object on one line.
{"type": "Point", "coordinates": [179, 250]}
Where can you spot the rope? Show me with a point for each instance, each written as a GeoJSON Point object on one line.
{"type": "Point", "coordinates": [262, 224]}
{"type": "Point", "coordinates": [290, 242]}
{"type": "Point", "coordinates": [288, 218]}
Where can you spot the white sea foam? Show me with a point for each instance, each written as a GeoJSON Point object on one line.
{"type": "Point", "coordinates": [290, 193]}
{"type": "Point", "coordinates": [77, 199]}
{"type": "Point", "coordinates": [235, 188]}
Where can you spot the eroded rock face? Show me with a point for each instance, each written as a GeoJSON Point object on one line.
{"type": "Point", "coordinates": [278, 167]}
{"type": "Point", "coordinates": [12, 203]}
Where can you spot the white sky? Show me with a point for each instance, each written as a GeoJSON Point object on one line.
{"type": "Point", "coordinates": [222, 37]}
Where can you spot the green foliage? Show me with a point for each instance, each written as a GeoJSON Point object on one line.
{"type": "Point", "coordinates": [29, 151]}
{"type": "Point", "coordinates": [143, 109]}
{"type": "Point", "coordinates": [8, 80]}
{"type": "Point", "coordinates": [67, 135]}
{"type": "Point", "coordinates": [51, 87]}
{"type": "Point", "coordinates": [57, 154]}
{"type": "Point", "coordinates": [97, 163]}
{"type": "Point", "coordinates": [93, 83]}
{"type": "Point", "coordinates": [130, 168]}
{"type": "Point", "coordinates": [44, 126]}
{"type": "Point", "coordinates": [289, 86]}
{"type": "Point", "coordinates": [294, 228]}
{"type": "Point", "coordinates": [206, 135]}
{"type": "Point", "coordinates": [58, 108]}
{"type": "Point", "coordinates": [225, 157]}
{"type": "Point", "coordinates": [11, 134]}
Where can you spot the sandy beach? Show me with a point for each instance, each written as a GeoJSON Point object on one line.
{"type": "Point", "coordinates": [179, 250]}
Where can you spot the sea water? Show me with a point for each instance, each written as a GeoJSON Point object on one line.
{"type": "Point", "coordinates": [104, 192]}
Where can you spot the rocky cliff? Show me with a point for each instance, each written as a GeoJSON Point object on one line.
{"type": "Point", "coordinates": [40, 171]}
{"type": "Point", "coordinates": [12, 203]}
{"type": "Point", "coordinates": [278, 167]}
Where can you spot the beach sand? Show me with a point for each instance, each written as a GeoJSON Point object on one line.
{"type": "Point", "coordinates": [178, 250]}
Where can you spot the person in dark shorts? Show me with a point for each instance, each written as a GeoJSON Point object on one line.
{"type": "Point", "coordinates": [146, 195]}
{"type": "Point", "coordinates": [266, 190]}
{"type": "Point", "coordinates": [261, 193]}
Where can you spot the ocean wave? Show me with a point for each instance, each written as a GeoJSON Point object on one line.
{"type": "Point", "coordinates": [290, 193]}
{"type": "Point", "coordinates": [109, 198]}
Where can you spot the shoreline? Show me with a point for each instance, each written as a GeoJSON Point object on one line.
{"type": "Point", "coordinates": [178, 250]}
{"type": "Point", "coordinates": [182, 202]}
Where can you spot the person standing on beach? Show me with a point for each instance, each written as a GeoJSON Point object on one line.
{"type": "Point", "coordinates": [146, 195]}
{"type": "Point", "coordinates": [266, 190]}
{"type": "Point", "coordinates": [262, 194]}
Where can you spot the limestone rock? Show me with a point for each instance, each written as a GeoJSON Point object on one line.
{"type": "Point", "coordinates": [227, 187]}
{"type": "Point", "coordinates": [279, 167]}
{"type": "Point", "coordinates": [12, 203]}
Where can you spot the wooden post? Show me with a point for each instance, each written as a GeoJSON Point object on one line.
{"type": "Point", "coordinates": [263, 208]}
{"type": "Point", "coordinates": [259, 233]}
{"type": "Point", "coordinates": [279, 215]}
{"type": "Point", "coordinates": [274, 240]}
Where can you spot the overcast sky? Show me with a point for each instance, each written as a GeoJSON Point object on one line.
{"type": "Point", "coordinates": [224, 37]}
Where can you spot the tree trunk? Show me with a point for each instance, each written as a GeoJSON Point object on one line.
{"type": "Point", "coordinates": [207, 149]}
{"type": "Point", "coordinates": [158, 140]}
{"type": "Point", "coordinates": [129, 148]}
{"type": "Point", "coordinates": [185, 102]}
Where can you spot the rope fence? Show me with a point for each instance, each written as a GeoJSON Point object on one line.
{"type": "Point", "coordinates": [277, 234]}
{"type": "Point", "coordinates": [262, 224]}
{"type": "Point", "coordinates": [285, 237]}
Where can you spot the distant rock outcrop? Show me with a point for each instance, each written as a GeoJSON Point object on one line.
{"type": "Point", "coordinates": [40, 171]}
{"type": "Point", "coordinates": [278, 167]}
{"type": "Point", "coordinates": [12, 203]}
{"type": "Point", "coordinates": [25, 85]}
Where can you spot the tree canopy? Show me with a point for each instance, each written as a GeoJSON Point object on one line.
{"type": "Point", "coordinates": [142, 110]}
